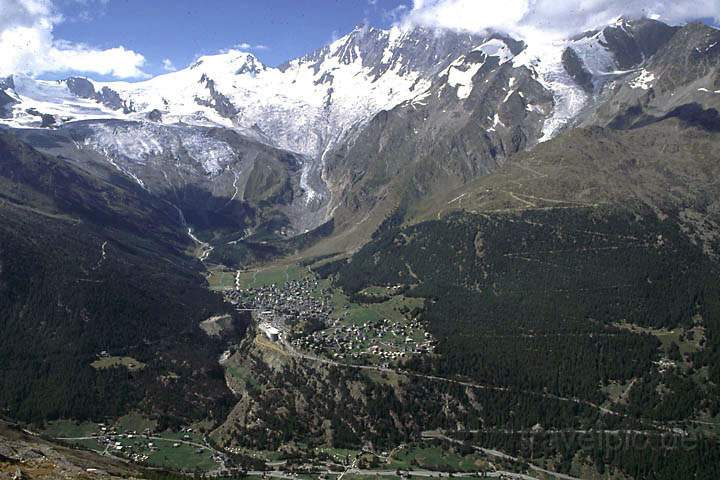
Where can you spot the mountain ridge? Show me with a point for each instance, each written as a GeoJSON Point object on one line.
{"type": "Point", "coordinates": [326, 106]}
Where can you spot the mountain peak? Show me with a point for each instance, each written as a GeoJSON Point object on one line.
{"type": "Point", "coordinates": [233, 60]}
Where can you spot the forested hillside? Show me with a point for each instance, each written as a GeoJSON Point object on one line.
{"type": "Point", "coordinates": [81, 274]}
{"type": "Point", "coordinates": [586, 269]}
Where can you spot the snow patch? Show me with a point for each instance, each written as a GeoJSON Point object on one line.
{"type": "Point", "coordinates": [643, 80]}
{"type": "Point", "coordinates": [496, 48]}
{"type": "Point", "coordinates": [707, 48]}
{"type": "Point", "coordinates": [420, 99]}
{"type": "Point", "coordinates": [496, 122]}
{"type": "Point", "coordinates": [460, 76]}
{"type": "Point", "coordinates": [510, 89]}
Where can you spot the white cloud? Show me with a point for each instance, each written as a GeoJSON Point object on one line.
{"type": "Point", "coordinates": [249, 46]}
{"type": "Point", "coordinates": [168, 65]}
{"type": "Point", "coordinates": [396, 14]}
{"type": "Point", "coordinates": [559, 17]}
{"type": "Point", "coordinates": [28, 45]}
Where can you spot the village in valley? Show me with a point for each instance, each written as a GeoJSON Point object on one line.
{"type": "Point", "coordinates": [292, 310]}
{"type": "Point", "coordinates": [305, 314]}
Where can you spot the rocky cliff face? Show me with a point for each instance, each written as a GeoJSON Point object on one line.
{"type": "Point", "coordinates": [483, 109]}
{"type": "Point", "coordinates": [480, 110]}
{"type": "Point", "coordinates": [683, 72]}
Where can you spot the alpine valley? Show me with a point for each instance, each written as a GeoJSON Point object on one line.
{"type": "Point", "coordinates": [411, 252]}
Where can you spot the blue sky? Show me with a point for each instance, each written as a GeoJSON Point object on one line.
{"type": "Point", "coordinates": [182, 29]}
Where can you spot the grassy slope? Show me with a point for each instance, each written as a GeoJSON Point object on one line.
{"type": "Point", "coordinates": [666, 166]}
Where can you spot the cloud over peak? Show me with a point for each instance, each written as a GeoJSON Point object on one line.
{"type": "Point", "coordinates": [556, 17]}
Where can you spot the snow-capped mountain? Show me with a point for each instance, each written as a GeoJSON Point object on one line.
{"type": "Point", "coordinates": [310, 103]}
{"type": "Point", "coordinates": [505, 95]}
{"type": "Point", "coordinates": [486, 107]}
{"type": "Point", "coordinates": [302, 106]}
